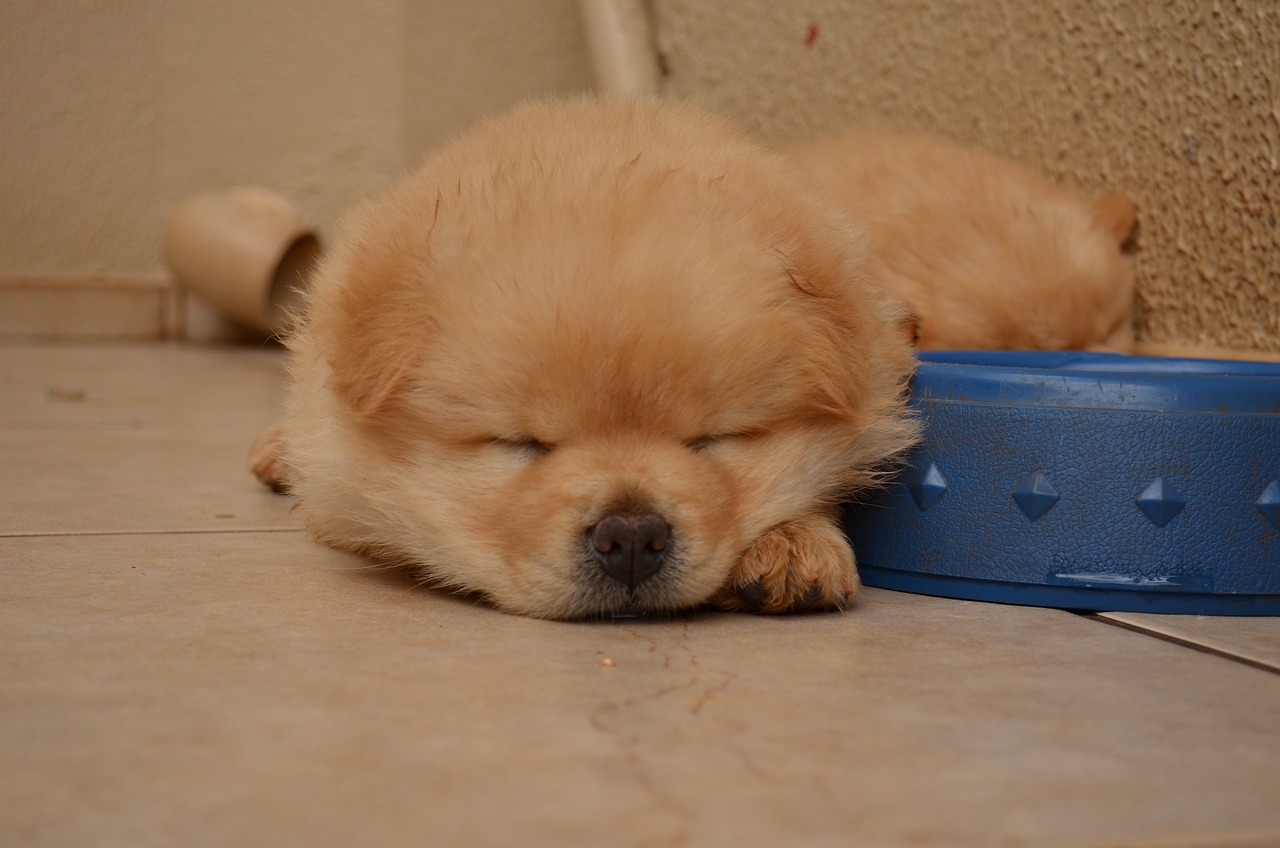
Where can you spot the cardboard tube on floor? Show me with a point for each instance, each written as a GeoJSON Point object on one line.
{"type": "Point", "coordinates": [244, 250]}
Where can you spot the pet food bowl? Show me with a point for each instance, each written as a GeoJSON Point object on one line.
{"type": "Point", "coordinates": [1085, 481]}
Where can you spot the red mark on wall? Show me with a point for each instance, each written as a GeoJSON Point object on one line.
{"type": "Point", "coordinates": [811, 35]}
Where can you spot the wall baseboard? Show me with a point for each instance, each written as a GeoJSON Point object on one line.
{"type": "Point", "coordinates": [53, 309]}
{"type": "Point", "coordinates": [87, 308]}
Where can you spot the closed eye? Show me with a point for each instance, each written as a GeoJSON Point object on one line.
{"type": "Point", "coordinates": [527, 445]}
{"type": "Point", "coordinates": [702, 443]}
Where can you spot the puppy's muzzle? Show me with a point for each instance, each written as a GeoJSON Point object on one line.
{"type": "Point", "coordinates": [631, 547]}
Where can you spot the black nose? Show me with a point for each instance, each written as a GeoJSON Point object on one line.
{"type": "Point", "coordinates": [630, 546]}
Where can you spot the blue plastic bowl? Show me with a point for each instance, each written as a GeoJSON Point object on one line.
{"type": "Point", "coordinates": [1085, 481]}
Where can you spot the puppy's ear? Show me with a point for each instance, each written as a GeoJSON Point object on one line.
{"type": "Point", "coordinates": [1117, 215]}
{"type": "Point", "coordinates": [375, 330]}
{"type": "Point", "coordinates": [371, 377]}
{"type": "Point", "coordinates": [858, 336]}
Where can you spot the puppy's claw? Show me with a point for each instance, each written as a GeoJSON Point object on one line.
{"type": "Point", "coordinates": [816, 599]}
{"type": "Point", "coordinates": [748, 596]}
{"type": "Point", "coordinates": [802, 566]}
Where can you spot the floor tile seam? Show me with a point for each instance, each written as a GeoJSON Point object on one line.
{"type": "Point", "coordinates": [1185, 643]}
{"type": "Point", "coordinates": [1248, 840]}
{"type": "Point", "coordinates": [131, 425]}
{"type": "Point", "coordinates": [191, 531]}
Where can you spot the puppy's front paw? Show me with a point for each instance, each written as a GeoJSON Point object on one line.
{"type": "Point", "coordinates": [799, 566]}
{"type": "Point", "coordinates": [266, 460]}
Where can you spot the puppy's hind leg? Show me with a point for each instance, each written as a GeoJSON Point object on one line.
{"type": "Point", "coordinates": [799, 566]}
{"type": "Point", "coordinates": [266, 459]}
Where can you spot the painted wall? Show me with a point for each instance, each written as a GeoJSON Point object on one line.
{"type": "Point", "coordinates": [111, 111]}
{"type": "Point", "coordinates": [1176, 102]}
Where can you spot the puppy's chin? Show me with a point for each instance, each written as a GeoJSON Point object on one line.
{"type": "Point", "coordinates": [590, 593]}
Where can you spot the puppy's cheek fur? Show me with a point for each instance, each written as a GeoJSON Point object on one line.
{"type": "Point", "coordinates": [808, 468]}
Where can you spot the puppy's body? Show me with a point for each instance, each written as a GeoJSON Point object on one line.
{"type": "Point", "coordinates": [985, 253]}
{"type": "Point", "coordinates": [588, 331]}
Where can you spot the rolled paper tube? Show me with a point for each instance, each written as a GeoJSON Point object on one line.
{"type": "Point", "coordinates": [243, 250]}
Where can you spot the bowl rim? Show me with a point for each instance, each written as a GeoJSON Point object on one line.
{"type": "Point", "coordinates": [1078, 380]}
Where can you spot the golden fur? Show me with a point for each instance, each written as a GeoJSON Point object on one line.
{"type": "Point", "coordinates": [984, 252]}
{"type": "Point", "coordinates": [584, 309]}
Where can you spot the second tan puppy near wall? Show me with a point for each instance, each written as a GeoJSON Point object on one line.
{"type": "Point", "coordinates": [984, 252]}
{"type": "Point", "coordinates": [597, 357]}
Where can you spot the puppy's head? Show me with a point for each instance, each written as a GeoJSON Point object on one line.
{"type": "Point", "coordinates": [1049, 272]}
{"type": "Point", "coordinates": [589, 353]}
{"type": "Point", "coordinates": [985, 252]}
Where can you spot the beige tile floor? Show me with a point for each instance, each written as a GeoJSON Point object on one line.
{"type": "Point", "coordinates": [179, 665]}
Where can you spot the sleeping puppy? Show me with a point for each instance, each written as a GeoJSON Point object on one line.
{"type": "Point", "coordinates": [595, 358]}
{"type": "Point", "coordinates": [985, 253]}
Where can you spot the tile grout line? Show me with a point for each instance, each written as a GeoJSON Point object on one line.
{"type": "Point", "coordinates": [1186, 643]}
{"type": "Point", "coordinates": [55, 534]}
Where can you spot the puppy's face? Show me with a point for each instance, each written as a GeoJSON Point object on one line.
{"type": "Point", "coordinates": [583, 389]}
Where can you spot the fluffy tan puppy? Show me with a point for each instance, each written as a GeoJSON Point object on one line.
{"type": "Point", "coordinates": [592, 358]}
{"type": "Point", "coordinates": [984, 252]}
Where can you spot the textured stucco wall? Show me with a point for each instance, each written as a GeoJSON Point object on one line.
{"type": "Point", "coordinates": [112, 112]}
{"type": "Point", "coordinates": [1177, 103]}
